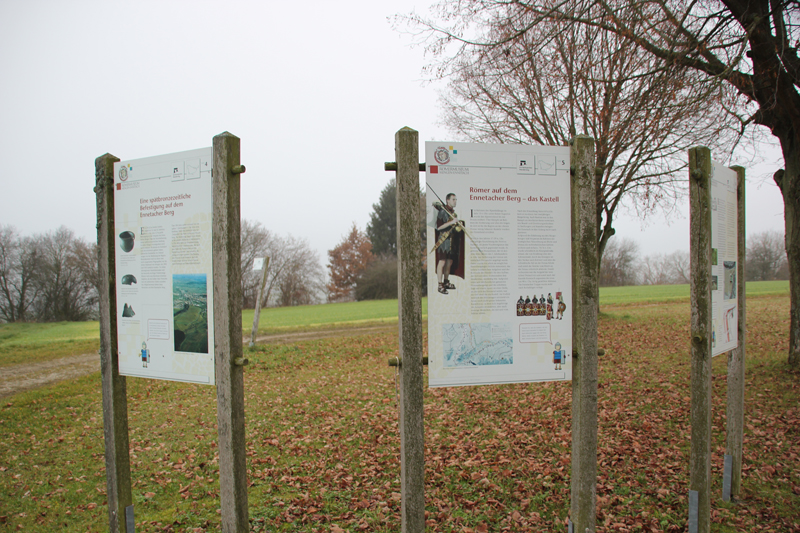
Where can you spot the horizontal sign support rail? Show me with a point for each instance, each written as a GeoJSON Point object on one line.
{"type": "Point", "coordinates": [391, 166]}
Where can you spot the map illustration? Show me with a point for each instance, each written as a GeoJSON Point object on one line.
{"type": "Point", "coordinates": [192, 170]}
{"type": "Point", "coordinates": [477, 344]}
{"type": "Point", "coordinates": [190, 312]}
{"type": "Point", "coordinates": [547, 165]}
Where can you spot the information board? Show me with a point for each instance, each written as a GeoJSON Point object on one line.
{"type": "Point", "coordinates": [163, 215]}
{"type": "Point", "coordinates": [724, 257]}
{"type": "Point", "coordinates": [499, 263]}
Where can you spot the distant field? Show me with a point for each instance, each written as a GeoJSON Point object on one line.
{"type": "Point", "coordinates": [639, 294]}
{"type": "Point", "coordinates": [330, 315]}
{"type": "Point", "coordinates": [20, 343]}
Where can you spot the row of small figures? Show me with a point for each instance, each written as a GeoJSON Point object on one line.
{"type": "Point", "coordinates": [532, 309]}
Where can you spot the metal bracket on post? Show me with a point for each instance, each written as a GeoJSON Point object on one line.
{"type": "Point", "coordinates": [130, 523]}
{"type": "Point", "coordinates": [398, 361]}
{"type": "Point", "coordinates": [694, 500]}
{"type": "Point", "coordinates": [391, 166]}
{"type": "Point", "coordinates": [726, 478]}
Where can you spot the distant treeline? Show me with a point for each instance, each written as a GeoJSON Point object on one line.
{"type": "Point", "coordinates": [47, 277]}
{"type": "Point", "coordinates": [622, 266]}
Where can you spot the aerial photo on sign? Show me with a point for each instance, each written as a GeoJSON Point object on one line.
{"type": "Point", "coordinates": [499, 266]}
{"type": "Point", "coordinates": [190, 311]}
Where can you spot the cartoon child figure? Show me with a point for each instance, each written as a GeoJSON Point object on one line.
{"type": "Point", "coordinates": [145, 355]}
{"type": "Point", "coordinates": [558, 356]}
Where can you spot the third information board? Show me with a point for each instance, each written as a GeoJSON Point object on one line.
{"type": "Point", "coordinates": [499, 263]}
{"type": "Point", "coordinates": [724, 257]}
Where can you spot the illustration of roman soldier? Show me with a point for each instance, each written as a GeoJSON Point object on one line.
{"type": "Point", "coordinates": [449, 244]}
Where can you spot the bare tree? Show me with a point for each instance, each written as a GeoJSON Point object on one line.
{"type": "Point", "coordinates": [295, 273]}
{"type": "Point", "coordinates": [750, 46]}
{"type": "Point", "coordinates": [18, 262]}
{"type": "Point", "coordinates": [665, 269]}
{"type": "Point", "coordinates": [618, 265]}
{"type": "Point", "coordinates": [257, 241]}
{"type": "Point", "coordinates": [303, 282]}
{"type": "Point", "coordinates": [517, 77]}
{"type": "Point", "coordinates": [680, 266]}
{"type": "Point", "coordinates": [766, 256]}
{"type": "Point", "coordinates": [655, 269]}
{"type": "Point", "coordinates": [66, 291]}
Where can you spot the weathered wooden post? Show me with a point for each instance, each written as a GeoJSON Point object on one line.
{"type": "Point", "coordinates": [732, 480]}
{"type": "Point", "coordinates": [228, 332]}
{"type": "Point", "coordinates": [257, 311]}
{"type": "Point", "coordinates": [412, 448]}
{"type": "Point", "coordinates": [701, 327]}
{"type": "Point", "coordinates": [583, 482]}
{"type": "Point", "coordinates": [115, 399]}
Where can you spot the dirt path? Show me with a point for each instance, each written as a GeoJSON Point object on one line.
{"type": "Point", "coordinates": [23, 377]}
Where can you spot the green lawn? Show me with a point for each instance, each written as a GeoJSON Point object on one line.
{"type": "Point", "coordinates": [279, 319]}
{"type": "Point", "coordinates": [323, 444]}
{"type": "Point", "coordinates": [20, 343]}
{"type": "Point", "coordinates": [26, 342]}
{"type": "Point", "coordinates": [639, 294]}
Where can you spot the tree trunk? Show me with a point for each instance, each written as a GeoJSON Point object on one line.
{"type": "Point", "coordinates": [788, 180]}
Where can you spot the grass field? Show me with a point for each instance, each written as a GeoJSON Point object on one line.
{"type": "Point", "coordinates": [639, 294]}
{"type": "Point", "coordinates": [28, 342]}
{"type": "Point", "coordinates": [21, 343]}
{"type": "Point", "coordinates": [323, 446]}
{"type": "Point", "coordinates": [281, 319]}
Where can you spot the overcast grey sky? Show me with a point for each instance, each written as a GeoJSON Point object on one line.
{"type": "Point", "coordinates": [315, 90]}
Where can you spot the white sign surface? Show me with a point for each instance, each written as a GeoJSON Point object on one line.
{"type": "Point", "coordinates": [163, 211]}
{"type": "Point", "coordinates": [500, 277]}
{"type": "Point", "coordinates": [724, 257]}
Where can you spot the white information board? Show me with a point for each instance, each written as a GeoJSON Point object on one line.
{"type": "Point", "coordinates": [724, 257]}
{"type": "Point", "coordinates": [499, 263]}
{"type": "Point", "coordinates": [163, 212]}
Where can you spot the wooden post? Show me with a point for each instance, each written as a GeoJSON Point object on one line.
{"type": "Point", "coordinates": [257, 313]}
{"type": "Point", "coordinates": [700, 251]}
{"type": "Point", "coordinates": [226, 248]}
{"type": "Point", "coordinates": [736, 357]}
{"type": "Point", "coordinates": [409, 282]}
{"type": "Point", "coordinates": [115, 399]}
{"type": "Point", "coordinates": [585, 301]}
